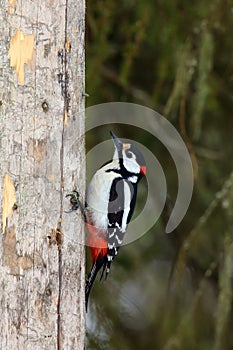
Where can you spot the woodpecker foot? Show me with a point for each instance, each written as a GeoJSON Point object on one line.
{"type": "Point", "coordinates": [74, 201]}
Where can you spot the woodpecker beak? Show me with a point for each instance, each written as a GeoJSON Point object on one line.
{"type": "Point", "coordinates": [118, 144]}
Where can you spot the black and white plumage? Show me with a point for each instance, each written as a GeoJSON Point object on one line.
{"type": "Point", "coordinates": [110, 202]}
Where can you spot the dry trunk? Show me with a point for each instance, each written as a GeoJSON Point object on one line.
{"type": "Point", "coordinates": [41, 159]}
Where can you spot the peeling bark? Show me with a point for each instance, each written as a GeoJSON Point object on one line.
{"type": "Point", "coordinates": [42, 158]}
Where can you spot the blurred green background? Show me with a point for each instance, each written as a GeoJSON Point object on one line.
{"type": "Point", "coordinates": [169, 291]}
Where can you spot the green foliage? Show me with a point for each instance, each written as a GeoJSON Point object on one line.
{"type": "Point", "coordinates": [202, 83]}
{"type": "Point", "coordinates": [172, 291]}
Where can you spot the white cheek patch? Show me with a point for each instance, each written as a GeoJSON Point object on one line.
{"type": "Point", "coordinates": [131, 165]}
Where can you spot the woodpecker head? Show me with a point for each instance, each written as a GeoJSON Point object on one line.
{"type": "Point", "coordinates": [130, 159]}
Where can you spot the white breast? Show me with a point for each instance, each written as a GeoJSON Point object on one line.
{"type": "Point", "coordinates": [97, 196]}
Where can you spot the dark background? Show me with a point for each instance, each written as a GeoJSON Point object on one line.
{"type": "Point", "coordinates": [169, 291]}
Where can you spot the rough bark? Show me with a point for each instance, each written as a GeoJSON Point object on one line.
{"type": "Point", "coordinates": [41, 159]}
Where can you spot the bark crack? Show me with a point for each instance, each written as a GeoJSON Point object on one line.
{"type": "Point", "coordinates": [65, 94]}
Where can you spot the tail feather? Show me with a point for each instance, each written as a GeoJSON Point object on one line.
{"type": "Point", "coordinates": [100, 262]}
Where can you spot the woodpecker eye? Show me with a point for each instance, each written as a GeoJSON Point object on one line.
{"type": "Point", "coordinates": [129, 154]}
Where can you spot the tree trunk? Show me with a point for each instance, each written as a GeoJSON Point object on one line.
{"type": "Point", "coordinates": [42, 157]}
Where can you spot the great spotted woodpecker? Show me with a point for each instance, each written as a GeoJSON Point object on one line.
{"type": "Point", "coordinates": [110, 202]}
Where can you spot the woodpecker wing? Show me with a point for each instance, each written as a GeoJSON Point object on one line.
{"type": "Point", "coordinates": [120, 209]}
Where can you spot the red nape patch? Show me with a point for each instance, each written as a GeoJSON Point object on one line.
{"type": "Point", "coordinates": [143, 170]}
{"type": "Point", "coordinates": [97, 243]}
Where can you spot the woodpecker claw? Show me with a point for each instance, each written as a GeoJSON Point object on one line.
{"type": "Point", "coordinates": [76, 203]}
{"type": "Point", "coordinates": [74, 200]}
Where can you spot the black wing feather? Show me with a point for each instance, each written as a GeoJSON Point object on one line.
{"type": "Point", "coordinates": [115, 216]}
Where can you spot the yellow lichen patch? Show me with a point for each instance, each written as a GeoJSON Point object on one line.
{"type": "Point", "coordinates": [11, 6]}
{"type": "Point", "coordinates": [8, 199]}
{"type": "Point", "coordinates": [65, 118]}
{"type": "Point", "coordinates": [21, 52]}
{"type": "Point", "coordinates": [68, 45]}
